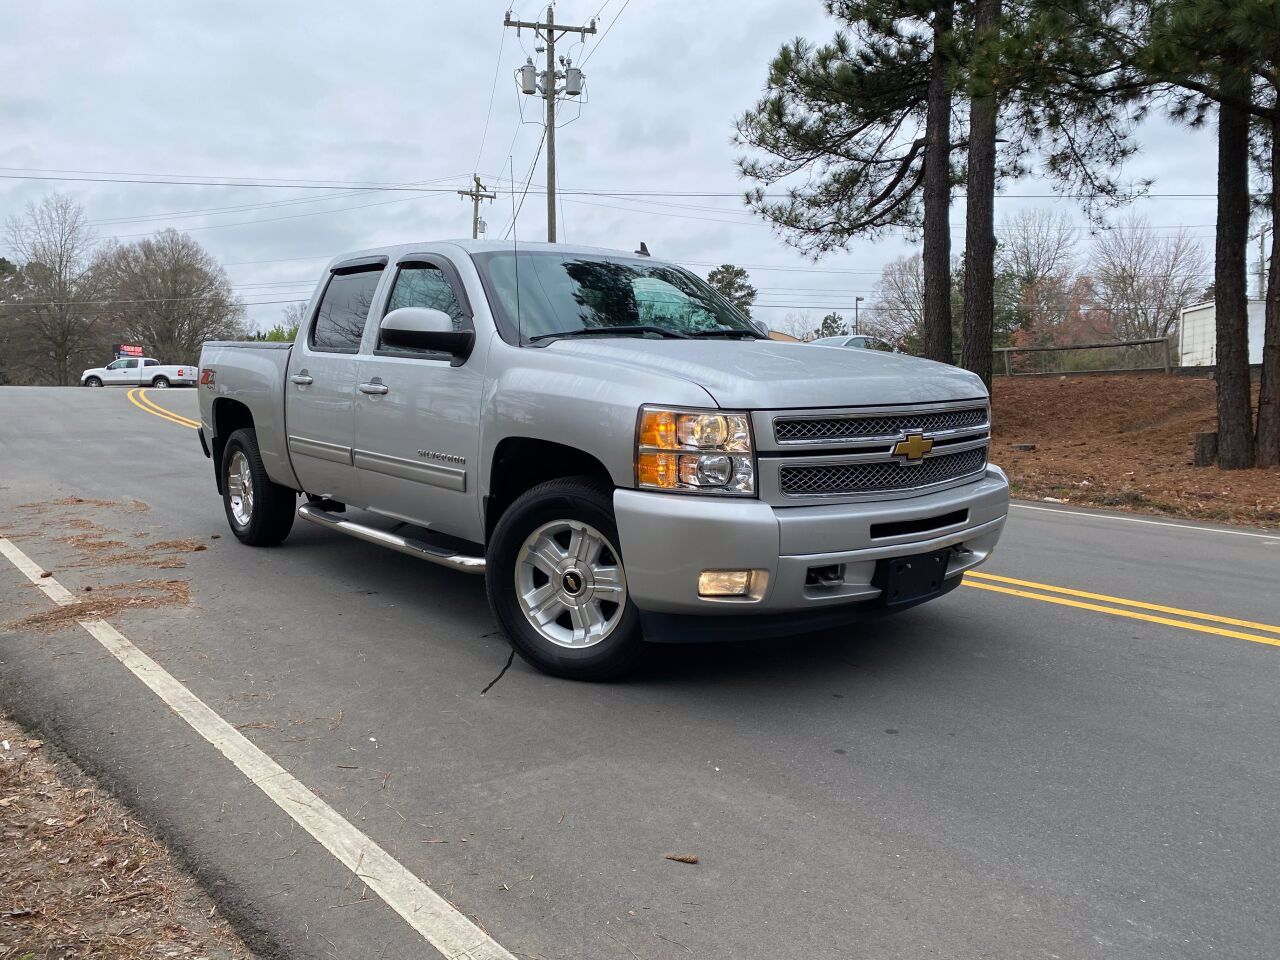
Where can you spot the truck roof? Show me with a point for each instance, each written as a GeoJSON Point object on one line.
{"type": "Point", "coordinates": [398, 250]}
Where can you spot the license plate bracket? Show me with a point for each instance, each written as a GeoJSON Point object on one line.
{"type": "Point", "coordinates": [904, 581]}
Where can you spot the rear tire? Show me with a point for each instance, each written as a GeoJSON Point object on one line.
{"type": "Point", "coordinates": [556, 582]}
{"type": "Point", "coordinates": [259, 511]}
{"type": "Point", "coordinates": [93, 381]}
{"type": "Point", "coordinates": [160, 383]}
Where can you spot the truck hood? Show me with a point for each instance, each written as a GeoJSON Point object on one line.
{"type": "Point", "coordinates": [773, 375]}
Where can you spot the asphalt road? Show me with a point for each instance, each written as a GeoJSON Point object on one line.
{"type": "Point", "coordinates": [991, 775]}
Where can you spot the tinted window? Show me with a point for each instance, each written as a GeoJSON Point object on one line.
{"type": "Point", "coordinates": [130, 364]}
{"type": "Point", "coordinates": [339, 322]}
{"type": "Point", "coordinates": [151, 363]}
{"type": "Point", "coordinates": [423, 285]}
{"type": "Point", "coordinates": [547, 293]}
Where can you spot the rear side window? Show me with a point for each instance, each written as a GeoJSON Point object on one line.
{"type": "Point", "coordinates": [151, 363]}
{"type": "Point", "coordinates": [424, 285]}
{"type": "Point", "coordinates": [339, 322]}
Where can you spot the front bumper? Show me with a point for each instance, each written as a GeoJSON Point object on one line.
{"type": "Point", "coordinates": [667, 540]}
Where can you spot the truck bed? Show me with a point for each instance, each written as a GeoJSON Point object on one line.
{"type": "Point", "coordinates": [251, 373]}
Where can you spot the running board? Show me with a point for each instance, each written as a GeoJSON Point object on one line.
{"type": "Point", "coordinates": [415, 548]}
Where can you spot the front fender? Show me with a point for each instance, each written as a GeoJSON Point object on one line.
{"type": "Point", "coordinates": [536, 393]}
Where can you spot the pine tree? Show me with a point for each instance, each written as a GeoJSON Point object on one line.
{"type": "Point", "coordinates": [868, 120]}
{"type": "Point", "coordinates": [731, 282]}
{"type": "Point", "coordinates": [1218, 53]}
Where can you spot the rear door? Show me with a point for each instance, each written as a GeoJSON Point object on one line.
{"type": "Point", "coordinates": [320, 388]}
{"type": "Point", "coordinates": [418, 430]}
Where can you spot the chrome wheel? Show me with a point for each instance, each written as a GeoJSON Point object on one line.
{"type": "Point", "coordinates": [240, 488]}
{"type": "Point", "coordinates": [570, 583]}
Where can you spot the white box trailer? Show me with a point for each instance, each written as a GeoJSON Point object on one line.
{"type": "Point", "coordinates": [1198, 336]}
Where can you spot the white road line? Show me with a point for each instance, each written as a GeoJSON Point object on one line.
{"type": "Point", "coordinates": [1154, 523]}
{"type": "Point", "coordinates": [440, 924]}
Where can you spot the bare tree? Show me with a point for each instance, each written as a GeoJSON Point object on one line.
{"type": "Point", "coordinates": [1143, 280]}
{"type": "Point", "coordinates": [57, 319]}
{"type": "Point", "coordinates": [171, 295]}
{"type": "Point", "coordinates": [1037, 243]}
{"type": "Point", "coordinates": [897, 306]}
{"type": "Point", "coordinates": [1037, 252]}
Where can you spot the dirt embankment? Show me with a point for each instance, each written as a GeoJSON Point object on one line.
{"type": "Point", "coordinates": [1123, 442]}
{"type": "Point", "coordinates": [80, 879]}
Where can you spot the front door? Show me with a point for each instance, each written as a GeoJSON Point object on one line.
{"type": "Point", "coordinates": [417, 421]}
{"type": "Point", "coordinates": [123, 371]}
{"type": "Point", "coordinates": [320, 387]}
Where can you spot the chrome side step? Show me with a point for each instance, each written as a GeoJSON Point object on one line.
{"type": "Point", "coordinates": [414, 548]}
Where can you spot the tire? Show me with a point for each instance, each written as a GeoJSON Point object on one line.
{"type": "Point", "coordinates": [586, 633]}
{"type": "Point", "coordinates": [160, 383]}
{"type": "Point", "coordinates": [93, 381]}
{"type": "Point", "coordinates": [267, 516]}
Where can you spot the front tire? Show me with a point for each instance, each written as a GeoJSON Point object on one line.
{"type": "Point", "coordinates": [160, 383]}
{"type": "Point", "coordinates": [259, 511]}
{"type": "Point", "coordinates": [557, 584]}
{"type": "Point", "coordinates": [93, 381]}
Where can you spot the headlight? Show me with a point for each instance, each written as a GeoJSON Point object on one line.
{"type": "Point", "coordinates": [695, 452]}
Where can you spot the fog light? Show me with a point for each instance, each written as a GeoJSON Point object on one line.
{"type": "Point", "coordinates": [724, 583]}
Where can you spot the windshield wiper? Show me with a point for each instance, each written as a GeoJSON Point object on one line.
{"type": "Point", "coordinates": [730, 332]}
{"type": "Point", "coordinates": [610, 331]}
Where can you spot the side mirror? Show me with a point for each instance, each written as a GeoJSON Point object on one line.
{"type": "Point", "coordinates": [761, 327]}
{"type": "Point", "coordinates": [419, 328]}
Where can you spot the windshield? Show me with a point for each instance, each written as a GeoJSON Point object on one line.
{"type": "Point", "coordinates": [573, 294]}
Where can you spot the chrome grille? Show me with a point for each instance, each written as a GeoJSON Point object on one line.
{"type": "Point", "coordinates": [879, 477]}
{"type": "Point", "coordinates": [828, 429]}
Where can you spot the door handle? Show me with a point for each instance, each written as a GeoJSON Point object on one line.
{"type": "Point", "coordinates": [376, 388]}
{"type": "Point", "coordinates": [301, 379]}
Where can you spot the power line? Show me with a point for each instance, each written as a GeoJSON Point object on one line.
{"type": "Point", "coordinates": [99, 303]}
{"type": "Point", "coordinates": [134, 178]}
{"type": "Point", "coordinates": [606, 31]}
{"type": "Point", "coordinates": [516, 213]}
{"type": "Point", "coordinates": [140, 218]}
{"type": "Point", "coordinates": [497, 67]}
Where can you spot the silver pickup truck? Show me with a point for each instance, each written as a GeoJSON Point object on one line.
{"type": "Point", "coordinates": [622, 454]}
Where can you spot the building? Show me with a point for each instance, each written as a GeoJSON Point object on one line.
{"type": "Point", "coordinates": [1198, 337]}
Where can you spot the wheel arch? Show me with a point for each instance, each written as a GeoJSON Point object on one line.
{"type": "Point", "coordinates": [228, 416]}
{"type": "Point", "coordinates": [521, 463]}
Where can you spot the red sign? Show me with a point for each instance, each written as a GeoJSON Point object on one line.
{"type": "Point", "coordinates": [128, 349]}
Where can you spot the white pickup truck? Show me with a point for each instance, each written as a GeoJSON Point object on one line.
{"type": "Point", "coordinates": [622, 454]}
{"type": "Point", "coordinates": [139, 372]}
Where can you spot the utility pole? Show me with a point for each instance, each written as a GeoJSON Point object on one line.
{"type": "Point", "coordinates": [857, 325]}
{"type": "Point", "coordinates": [476, 193]}
{"type": "Point", "coordinates": [546, 85]}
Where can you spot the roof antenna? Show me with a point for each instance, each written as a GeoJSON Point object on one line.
{"type": "Point", "coordinates": [644, 249]}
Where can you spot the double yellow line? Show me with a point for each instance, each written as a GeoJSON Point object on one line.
{"type": "Point", "coordinates": [138, 397]}
{"type": "Point", "coordinates": [1113, 606]}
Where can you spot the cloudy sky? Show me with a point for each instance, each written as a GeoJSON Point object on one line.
{"type": "Point", "coordinates": [384, 93]}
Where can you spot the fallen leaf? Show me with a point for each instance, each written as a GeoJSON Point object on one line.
{"type": "Point", "coordinates": [681, 857]}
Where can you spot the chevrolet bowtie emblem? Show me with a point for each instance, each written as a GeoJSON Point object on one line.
{"type": "Point", "coordinates": [913, 448]}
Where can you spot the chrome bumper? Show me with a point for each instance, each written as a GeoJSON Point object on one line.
{"type": "Point", "coordinates": [667, 540]}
